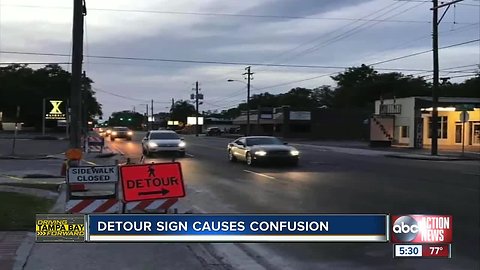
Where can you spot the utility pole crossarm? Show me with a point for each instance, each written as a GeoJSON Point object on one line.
{"type": "Point", "coordinates": [436, 6]}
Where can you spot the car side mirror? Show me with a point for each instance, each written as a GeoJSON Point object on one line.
{"type": "Point", "coordinates": [182, 138]}
{"type": "Point", "coordinates": [285, 143]}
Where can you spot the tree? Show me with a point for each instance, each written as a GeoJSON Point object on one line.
{"type": "Point", "coordinates": [181, 110]}
{"type": "Point", "coordinates": [361, 86]}
{"type": "Point", "coordinates": [23, 86]}
{"type": "Point", "coordinates": [132, 120]}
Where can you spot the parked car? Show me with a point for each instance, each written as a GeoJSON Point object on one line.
{"type": "Point", "coordinates": [257, 149]}
{"type": "Point", "coordinates": [234, 130]}
{"type": "Point", "coordinates": [158, 141]}
{"type": "Point", "coordinates": [121, 132]}
{"type": "Point", "coordinates": [213, 131]}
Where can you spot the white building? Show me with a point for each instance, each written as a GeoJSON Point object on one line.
{"type": "Point", "coordinates": [412, 120]}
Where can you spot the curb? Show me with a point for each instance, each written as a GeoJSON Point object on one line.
{"type": "Point", "coordinates": [23, 251]}
{"type": "Point", "coordinates": [432, 158]}
{"type": "Point", "coordinates": [36, 176]}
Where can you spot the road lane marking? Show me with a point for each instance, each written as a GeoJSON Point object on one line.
{"type": "Point", "coordinates": [11, 176]}
{"type": "Point", "coordinates": [260, 174]}
{"type": "Point", "coordinates": [189, 155]}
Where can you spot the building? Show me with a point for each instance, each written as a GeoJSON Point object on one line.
{"type": "Point", "coordinates": [318, 123]}
{"type": "Point", "coordinates": [412, 121]}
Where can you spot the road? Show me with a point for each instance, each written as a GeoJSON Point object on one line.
{"type": "Point", "coordinates": [329, 181]}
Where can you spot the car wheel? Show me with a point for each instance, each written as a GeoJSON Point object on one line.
{"type": "Point", "coordinates": [129, 139]}
{"type": "Point", "coordinates": [181, 153]}
{"type": "Point", "coordinates": [231, 157]}
{"type": "Point", "coordinates": [112, 138]}
{"type": "Point", "coordinates": [249, 159]}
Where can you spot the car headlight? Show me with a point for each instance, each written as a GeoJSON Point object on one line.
{"type": "Point", "coordinates": [130, 133]}
{"type": "Point", "coordinates": [182, 144]}
{"type": "Point", "coordinates": [152, 144]}
{"type": "Point", "coordinates": [114, 133]}
{"type": "Point", "coordinates": [109, 131]}
{"type": "Point", "coordinates": [260, 153]}
{"type": "Point", "coordinates": [294, 152]}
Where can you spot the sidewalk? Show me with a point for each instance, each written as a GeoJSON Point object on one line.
{"type": "Point", "coordinates": [18, 250]}
{"type": "Point", "coordinates": [363, 148]}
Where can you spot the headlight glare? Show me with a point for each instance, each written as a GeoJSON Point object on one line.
{"type": "Point", "coordinates": [294, 152]}
{"type": "Point", "coordinates": [181, 144]}
{"type": "Point", "coordinates": [260, 153]}
{"type": "Point", "coordinates": [152, 144]}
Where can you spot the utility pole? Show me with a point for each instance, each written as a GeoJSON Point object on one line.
{"type": "Point", "coordinates": [146, 115]}
{"type": "Point", "coordinates": [151, 122]}
{"type": "Point", "coordinates": [249, 78]}
{"type": "Point", "coordinates": [435, 23]}
{"type": "Point", "coordinates": [196, 108]}
{"type": "Point", "coordinates": [77, 57]}
{"type": "Point", "coordinates": [84, 104]}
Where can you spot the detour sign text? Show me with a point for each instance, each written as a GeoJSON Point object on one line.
{"type": "Point", "coordinates": [152, 181]}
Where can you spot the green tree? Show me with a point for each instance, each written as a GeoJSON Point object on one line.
{"type": "Point", "coordinates": [181, 110]}
{"type": "Point", "coordinates": [23, 86]}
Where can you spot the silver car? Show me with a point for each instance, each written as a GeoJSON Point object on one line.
{"type": "Point", "coordinates": [258, 149]}
{"type": "Point", "coordinates": [158, 141]}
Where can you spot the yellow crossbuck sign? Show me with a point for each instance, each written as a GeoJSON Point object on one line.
{"type": "Point", "coordinates": [56, 106]}
{"type": "Point", "coordinates": [56, 112]}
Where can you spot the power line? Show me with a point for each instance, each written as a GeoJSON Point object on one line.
{"type": "Point", "coordinates": [213, 62]}
{"type": "Point", "coordinates": [224, 14]}
{"type": "Point", "coordinates": [351, 32]}
{"type": "Point", "coordinates": [422, 52]}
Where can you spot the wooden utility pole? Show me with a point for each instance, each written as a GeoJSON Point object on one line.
{"type": "Point", "coordinates": [76, 85]}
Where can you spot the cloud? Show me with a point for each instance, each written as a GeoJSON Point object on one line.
{"type": "Point", "coordinates": [227, 38]}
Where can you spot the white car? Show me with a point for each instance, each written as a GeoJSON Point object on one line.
{"type": "Point", "coordinates": [162, 141]}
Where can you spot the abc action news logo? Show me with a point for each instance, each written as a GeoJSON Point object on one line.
{"type": "Point", "coordinates": [422, 229]}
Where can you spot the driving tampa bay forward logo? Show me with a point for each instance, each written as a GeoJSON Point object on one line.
{"type": "Point", "coordinates": [422, 229]}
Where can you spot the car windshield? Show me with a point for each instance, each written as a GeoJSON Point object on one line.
{"type": "Point", "coordinates": [263, 141]}
{"type": "Point", "coordinates": [164, 136]}
{"type": "Point", "coordinates": [121, 129]}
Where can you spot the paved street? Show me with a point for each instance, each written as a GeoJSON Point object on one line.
{"type": "Point", "coordinates": [331, 180]}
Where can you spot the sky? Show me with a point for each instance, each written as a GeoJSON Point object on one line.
{"type": "Point", "coordinates": [328, 34]}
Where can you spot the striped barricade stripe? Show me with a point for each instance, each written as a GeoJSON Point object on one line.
{"type": "Point", "coordinates": [94, 148]}
{"type": "Point", "coordinates": [86, 206]}
{"type": "Point", "coordinates": [151, 205]}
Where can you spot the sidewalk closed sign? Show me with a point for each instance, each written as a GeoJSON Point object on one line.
{"type": "Point", "coordinates": [93, 174]}
{"type": "Point", "coordinates": [152, 181]}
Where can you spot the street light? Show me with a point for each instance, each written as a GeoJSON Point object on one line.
{"type": "Point", "coordinates": [248, 104]}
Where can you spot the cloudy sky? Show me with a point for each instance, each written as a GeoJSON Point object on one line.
{"type": "Point", "coordinates": [332, 34]}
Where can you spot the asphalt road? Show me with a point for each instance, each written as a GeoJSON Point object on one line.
{"type": "Point", "coordinates": [329, 181]}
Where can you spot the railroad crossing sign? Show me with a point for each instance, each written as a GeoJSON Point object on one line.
{"type": "Point", "coordinates": [152, 181]}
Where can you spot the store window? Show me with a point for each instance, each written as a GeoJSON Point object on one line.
{"type": "Point", "coordinates": [442, 125]}
{"type": "Point", "coordinates": [404, 131]}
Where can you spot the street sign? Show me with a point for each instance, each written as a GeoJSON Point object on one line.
{"type": "Point", "coordinates": [464, 116]}
{"type": "Point", "coordinates": [152, 181]}
{"type": "Point", "coordinates": [93, 174]}
{"type": "Point", "coordinates": [57, 110]}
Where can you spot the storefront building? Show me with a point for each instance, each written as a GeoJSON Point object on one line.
{"type": "Point", "coordinates": [412, 120]}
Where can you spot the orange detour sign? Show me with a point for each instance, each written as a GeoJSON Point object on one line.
{"type": "Point", "coordinates": [152, 181]}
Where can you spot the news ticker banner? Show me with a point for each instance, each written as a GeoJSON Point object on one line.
{"type": "Point", "coordinates": [413, 235]}
{"type": "Point", "coordinates": [213, 228]}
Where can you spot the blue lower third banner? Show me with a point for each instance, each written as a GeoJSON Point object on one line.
{"type": "Point", "coordinates": [237, 228]}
